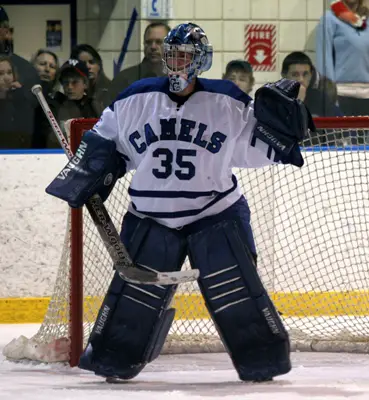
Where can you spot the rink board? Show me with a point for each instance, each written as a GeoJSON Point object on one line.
{"type": "Point", "coordinates": [32, 227]}
{"type": "Point", "coordinates": [191, 306]}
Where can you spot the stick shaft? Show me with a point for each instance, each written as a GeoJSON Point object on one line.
{"type": "Point", "coordinates": [37, 91]}
{"type": "Point", "coordinates": [106, 228]}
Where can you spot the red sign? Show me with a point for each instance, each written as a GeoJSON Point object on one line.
{"type": "Point", "coordinates": [260, 46]}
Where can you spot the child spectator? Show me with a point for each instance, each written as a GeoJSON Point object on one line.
{"type": "Point", "coordinates": [320, 93]}
{"type": "Point", "coordinates": [240, 72]}
{"type": "Point", "coordinates": [99, 82]}
{"type": "Point", "coordinates": [16, 112]}
{"type": "Point", "coordinates": [342, 52]}
{"type": "Point", "coordinates": [74, 103]}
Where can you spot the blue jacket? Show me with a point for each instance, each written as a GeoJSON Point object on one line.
{"type": "Point", "coordinates": [342, 52]}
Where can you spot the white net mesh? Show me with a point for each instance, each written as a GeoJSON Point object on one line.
{"type": "Point", "coordinates": [311, 230]}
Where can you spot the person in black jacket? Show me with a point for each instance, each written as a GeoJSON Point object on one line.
{"type": "Point", "coordinates": [320, 95]}
{"type": "Point", "coordinates": [74, 102]}
{"type": "Point", "coordinates": [18, 105]}
{"type": "Point", "coordinates": [99, 82]}
{"type": "Point", "coordinates": [27, 74]}
{"type": "Point", "coordinates": [46, 63]}
{"type": "Point", "coordinates": [151, 65]}
{"type": "Point", "coordinates": [16, 111]}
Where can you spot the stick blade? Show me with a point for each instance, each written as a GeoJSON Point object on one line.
{"type": "Point", "coordinates": [174, 278]}
{"type": "Point", "coordinates": [136, 275]}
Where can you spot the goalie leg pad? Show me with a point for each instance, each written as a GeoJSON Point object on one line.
{"type": "Point", "coordinates": [242, 311]}
{"type": "Point", "coordinates": [134, 320]}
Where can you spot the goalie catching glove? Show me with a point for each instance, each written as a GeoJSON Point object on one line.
{"type": "Point", "coordinates": [282, 120]}
{"type": "Point", "coordinates": [94, 169]}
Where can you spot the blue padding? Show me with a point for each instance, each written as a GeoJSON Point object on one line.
{"type": "Point", "coordinates": [134, 320]}
{"type": "Point", "coordinates": [94, 169]}
{"type": "Point", "coordinates": [246, 319]}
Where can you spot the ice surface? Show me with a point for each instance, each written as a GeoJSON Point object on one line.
{"type": "Point", "coordinates": [315, 376]}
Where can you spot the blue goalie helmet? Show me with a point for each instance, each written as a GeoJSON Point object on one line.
{"type": "Point", "coordinates": [187, 53]}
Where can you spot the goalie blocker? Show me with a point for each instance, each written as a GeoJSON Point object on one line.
{"type": "Point", "coordinates": [134, 320]}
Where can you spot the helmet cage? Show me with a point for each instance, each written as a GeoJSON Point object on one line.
{"type": "Point", "coordinates": [195, 61]}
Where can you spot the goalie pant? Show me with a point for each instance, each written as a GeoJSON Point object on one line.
{"type": "Point", "coordinates": [134, 320]}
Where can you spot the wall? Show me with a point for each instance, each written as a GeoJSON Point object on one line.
{"type": "Point", "coordinates": [224, 21]}
{"type": "Point", "coordinates": [29, 23]}
{"type": "Point", "coordinates": [104, 24]}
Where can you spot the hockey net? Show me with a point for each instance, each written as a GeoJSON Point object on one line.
{"type": "Point", "coordinates": [311, 230]}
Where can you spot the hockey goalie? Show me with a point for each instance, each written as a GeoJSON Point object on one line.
{"type": "Point", "coordinates": [183, 135]}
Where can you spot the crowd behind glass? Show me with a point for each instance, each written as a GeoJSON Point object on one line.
{"type": "Point", "coordinates": [338, 85]}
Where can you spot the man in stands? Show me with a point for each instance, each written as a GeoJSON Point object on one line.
{"type": "Point", "coordinates": [320, 95]}
{"type": "Point", "coordinates": [150, 66]}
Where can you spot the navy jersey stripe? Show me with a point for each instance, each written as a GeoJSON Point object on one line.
{"type": "Point", "coordinates": [161, 84]}
{"type": "Point", "coordinates": [170, 194]}
{"type": "Point", "coordinates": [188, 213]}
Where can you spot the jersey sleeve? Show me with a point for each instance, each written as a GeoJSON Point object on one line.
{"type": "Point", "coordinates": [251, 152]}
{"type": "Point", "coordinates": [108, 128]}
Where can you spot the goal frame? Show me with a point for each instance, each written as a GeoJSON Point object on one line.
{"type": "Point", "coordinates": [77, 128]}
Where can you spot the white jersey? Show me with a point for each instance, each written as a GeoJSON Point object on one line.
{"type": "Point", "coordinates": [183, 149]}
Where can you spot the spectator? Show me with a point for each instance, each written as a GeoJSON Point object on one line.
{"type": "Point", "coordinates": [150, 66]}
{"type": "Point", "coordinates": [99, 82]}
{"type": "Point", "coordinates": [6, 35]}
{"type": "Point", "coordinates": [27, 75]}
{"type": "Point", "coordinates": [240, 72]}
{"type": "Point", "coordinates": [320, 94]}
{"type": "Point", "coordinates": [74, 103]}
{"type": "Point", "coordinates": [16, 112]}
{"type": "Point", "coordinates": [343, 53]}
{"type": "Point", "coordinates": [47, 64]}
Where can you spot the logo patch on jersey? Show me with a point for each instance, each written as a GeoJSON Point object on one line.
{"type": "Point", "coordinates": [108, 179]}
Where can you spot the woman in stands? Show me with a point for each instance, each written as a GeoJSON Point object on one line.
{"type": "Point", "coordinates": [16, 111]}
{"type": "Point", "coordinates": [47, 64]}
{"type": "Point", "coordinates": [343, 53]}
{"type": "Point", "coordinates": [99, 82]}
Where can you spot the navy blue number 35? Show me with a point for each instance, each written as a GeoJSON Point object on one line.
{"type": "Point", "coordinates": [186, 170]}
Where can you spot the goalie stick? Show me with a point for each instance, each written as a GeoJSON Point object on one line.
{"type": "Point", "coordinates": [109, 235]}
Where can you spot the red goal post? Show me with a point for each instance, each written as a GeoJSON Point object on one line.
{"type": "Point", "coordinates": [311, 229]}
